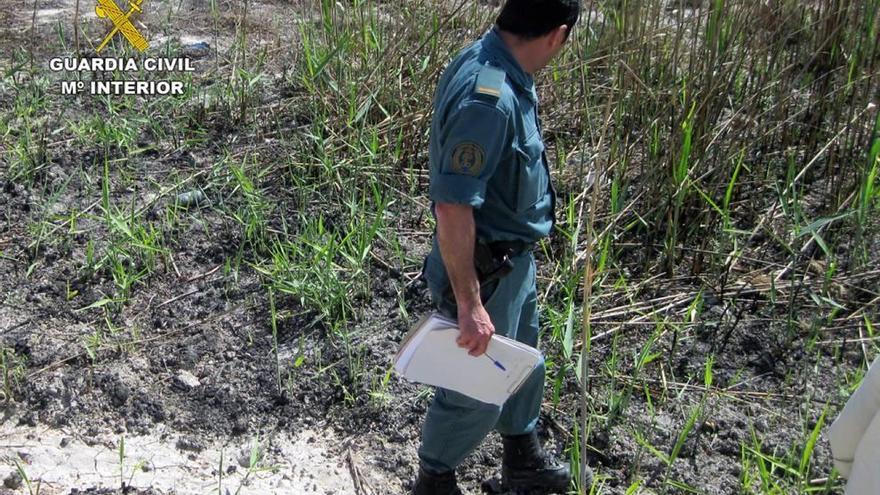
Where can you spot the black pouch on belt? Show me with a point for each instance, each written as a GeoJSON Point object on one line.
{"type": "Point", "coordinates": [490, 262]}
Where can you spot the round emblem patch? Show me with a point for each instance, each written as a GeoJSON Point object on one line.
{"type": "Point", "coordinates": [467, 158]}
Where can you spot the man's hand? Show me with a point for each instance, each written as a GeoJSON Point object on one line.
{"type": "Point", "coordinates": [456, 235]}
{"type": "Point", "coordinates": [475, 330]}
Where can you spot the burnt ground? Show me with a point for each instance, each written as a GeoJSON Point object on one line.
{"type": "Point", "coordinates": [189, 357]}
{"type": "Point", "coordinates": [769, 384]}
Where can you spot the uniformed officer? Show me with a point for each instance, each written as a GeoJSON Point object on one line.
{"type": "Point", "coordinates": [491, 193]}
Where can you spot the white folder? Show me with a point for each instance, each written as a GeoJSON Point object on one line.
{"type": "Point", "coordinates": [429, 354]}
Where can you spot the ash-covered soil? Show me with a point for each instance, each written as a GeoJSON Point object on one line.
{"type": "Point", "coordinates": [179, 388]}
{"type": "Point", "coordinates": [189, 359]}
{"type": "Point", "coordinates": [193, 358]}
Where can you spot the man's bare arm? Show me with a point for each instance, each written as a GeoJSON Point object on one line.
{"type": "Point", "coordinates": [456, 234]}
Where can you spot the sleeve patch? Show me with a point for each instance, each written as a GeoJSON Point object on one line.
{"type": "Point", "coordinates": [468, 159]}
{"type": "Point", "coordinates": [490, 80]}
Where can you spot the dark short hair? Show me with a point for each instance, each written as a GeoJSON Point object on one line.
{"type": "Point", "coordinates": [530, 19]}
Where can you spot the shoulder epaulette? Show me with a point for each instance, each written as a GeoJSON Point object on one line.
{"type": "Point", "coordinates": [490, 80]}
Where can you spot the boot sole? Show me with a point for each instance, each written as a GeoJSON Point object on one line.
{"type": "Point", "coordinates": [517, 486]}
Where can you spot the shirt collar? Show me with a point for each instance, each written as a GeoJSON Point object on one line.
{"type": "Point", "coordinates": [500, 53]}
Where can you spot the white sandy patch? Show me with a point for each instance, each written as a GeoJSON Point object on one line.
{"type": "Point", "coordinates": [298, 463]}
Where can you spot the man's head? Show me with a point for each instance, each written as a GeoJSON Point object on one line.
{"type": "Point", "coordinates": [542, 24]}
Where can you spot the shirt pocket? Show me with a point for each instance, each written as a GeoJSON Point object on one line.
{"type": "Point", "coordinates": [532, 180]}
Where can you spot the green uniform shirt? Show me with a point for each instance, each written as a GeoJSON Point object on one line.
{"type": "Point", "coordinates": [486, 149]}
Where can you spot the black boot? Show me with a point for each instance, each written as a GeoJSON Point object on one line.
{"type": "Point", "coordinates": [435, 484]}
{"type": "Point", "coordinates": [527, 468]}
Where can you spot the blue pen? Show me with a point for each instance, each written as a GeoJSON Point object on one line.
{"type": "Point", "coordinates": [499, 365]}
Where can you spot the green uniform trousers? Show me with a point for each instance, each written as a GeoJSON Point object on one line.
{"type": "Point", "coordinates": [455, 424]}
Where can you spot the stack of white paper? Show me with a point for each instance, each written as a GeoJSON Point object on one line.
{"type": "Point", "coordinates": [429, 354]}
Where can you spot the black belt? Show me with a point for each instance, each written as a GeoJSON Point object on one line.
{"type": "Point", "coordinates": [510, 248]}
